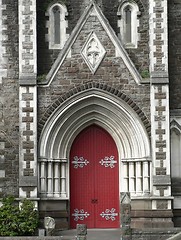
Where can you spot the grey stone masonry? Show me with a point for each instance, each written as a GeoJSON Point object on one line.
{"type": "Point", "coordinates": [27, 42]}
{"type": "Point", "coordinates": [160, 105]}
{"type": "Point", "coordinates": [28, 142]}
{"type": "Point", "coordinates": [27, 99]}
{"type": "Point", "coordinates": [158, 36]}
{"type": "Point", "coordinates": [3, 38]}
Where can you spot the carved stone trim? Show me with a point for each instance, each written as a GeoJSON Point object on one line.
{"type": "Point", "coordinates": [93, 52]}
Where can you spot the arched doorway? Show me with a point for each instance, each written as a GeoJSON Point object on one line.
{"type": "Point", "coordinates": [94, 179]}
{"type": "Point", "coordinates": [76, 114]}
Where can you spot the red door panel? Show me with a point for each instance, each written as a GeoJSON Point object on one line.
{"type": "Point", "coordinates": [82, 180]}
{"type": "Point", "coordinates": [94, 193]}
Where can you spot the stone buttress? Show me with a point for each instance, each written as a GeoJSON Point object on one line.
{"type": "Point", "coordinates": [27, 99]}
{"type": "Point", "coordinates": [160, 132]}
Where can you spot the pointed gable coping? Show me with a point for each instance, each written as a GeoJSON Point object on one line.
{"type": "Point", "coordinates": [120, 51]}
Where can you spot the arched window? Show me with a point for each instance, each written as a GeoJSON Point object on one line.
{"type": "Point", "coordinates": [128, 23]}
{"type": "Point", "coordinates": [175, 149]}
{"type": "Point", "coordinates": [175, 161]}
{"type": "Point", "coordinates": [56, 16]}
{"type": "Point", "coordinates": [57, 25]}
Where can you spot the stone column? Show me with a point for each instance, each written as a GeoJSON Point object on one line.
{"type": "Point", "coordinates": [27, 99]}
{"type": "Point", "coordinates": [125, 216]}
{"type": "Point", "coordinates": [81, 232]}
{"type": "Point", "coordinates": [160, 133]}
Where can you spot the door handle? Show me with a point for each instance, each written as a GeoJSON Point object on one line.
{"type": "Point", "coordinates": [94, 200]}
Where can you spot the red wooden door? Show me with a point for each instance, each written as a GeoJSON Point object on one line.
{"type": "Point", "coordinates": [94, 173]}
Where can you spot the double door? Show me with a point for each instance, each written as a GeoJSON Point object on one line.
{"type": "Point", "coordinates": [94, 174]}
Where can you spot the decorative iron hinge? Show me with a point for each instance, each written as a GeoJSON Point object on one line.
{"type": "Point", "coordinates": [80, 214]}
{"type": "Point", "coordinates": [109, 214]}
{"type": "Point", "coordinates": [108, 162]}
{"type": "Point", "coordinates": [80, 162]}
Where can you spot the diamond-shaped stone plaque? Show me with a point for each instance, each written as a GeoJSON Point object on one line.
{"type": "Point", "coordinates": [93, 52]}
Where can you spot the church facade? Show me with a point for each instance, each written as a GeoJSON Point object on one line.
{"type": "Point", "coordinates": [90, 109]}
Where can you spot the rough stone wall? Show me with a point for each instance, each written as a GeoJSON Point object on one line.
{"type": "Point", "coordinates": [74, 72]}
{"type": "Point", "coordinates": [9, 118]}
{"type": "Point", "coordinates": [139, 56]}
{"type": "Point", "coordinates": [174, 24]}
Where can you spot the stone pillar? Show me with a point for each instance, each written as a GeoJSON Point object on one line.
{"type": "Point", "coordinates": [3, 39]}
{"type": "Point", "coordinates": [125, 216]}
{"type": "Point", "coordinates": [160, 132]}
{"type": "Point", "coordinates": [3, 74]}
{"type": "Point", "coordinates": [81, 232]}
{"type": "Point", "coordinates": [27, 99]}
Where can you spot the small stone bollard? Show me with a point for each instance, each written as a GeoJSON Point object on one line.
{"type": "Point", "coordinates": [125, 216]}
{"type": "Point", "coordinates": [41, 232]}
{"type": "Point", "coordinates": [49, 224]}
{"type": "Point", "coordinates": [81, 232]}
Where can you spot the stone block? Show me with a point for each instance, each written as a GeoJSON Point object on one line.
{"type": "Point", "coordinates": [2, 173]}
{"type": "Point", "coordinates": [28, 181]}
{"type": "Point", "coordinates": [161, 180]}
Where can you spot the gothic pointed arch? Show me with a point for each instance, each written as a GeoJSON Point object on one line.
{"type": "Point", "coordinates": [108, 108]}
{"type": "Point", "coordinates": [104, 87]}
{"type": "Point", "coordinates": [140, 3]}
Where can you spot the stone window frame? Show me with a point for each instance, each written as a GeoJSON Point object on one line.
{"type": "Point", "coordinates": [50, 37]}
{"type": "Point", "coordinates": [175, 131]}
{"type": "Point", "coordinates": [135, 13]}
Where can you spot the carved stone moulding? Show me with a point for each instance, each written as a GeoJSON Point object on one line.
{"type": "Point", "coordinates": [93, 52]}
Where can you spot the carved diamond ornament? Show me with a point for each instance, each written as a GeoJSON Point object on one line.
{"type": "Point", "coordinates": [93, 52]}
